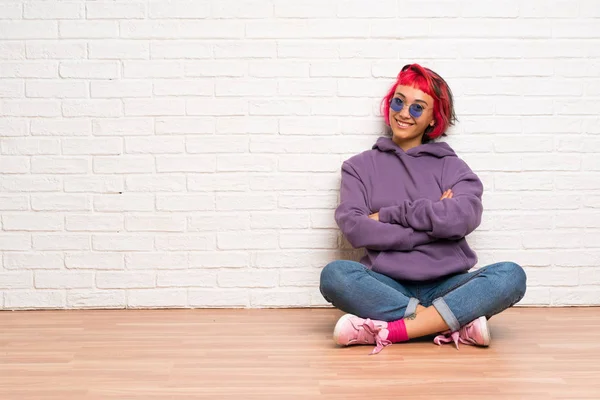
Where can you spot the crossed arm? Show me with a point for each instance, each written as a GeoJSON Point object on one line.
{"type": "Point", "coordinates": [446, 195]}
{"type": "Point", "coordinates": [452, 217]}
{"type": "Point", "coordinates": [412, 223]}
{"type": "Point", "coordinates": [352, 216]}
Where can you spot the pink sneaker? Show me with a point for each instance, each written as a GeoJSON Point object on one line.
{"type": "Point", "coordinates": [475, 333]}
{"type": "Point", "coordinates": [351, 329]}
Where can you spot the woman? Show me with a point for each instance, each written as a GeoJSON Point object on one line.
{"type": "Point", "coordinates": [410, 201]}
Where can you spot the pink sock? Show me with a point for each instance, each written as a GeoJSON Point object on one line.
{"type": "Point", "coordinates": [397, 331]}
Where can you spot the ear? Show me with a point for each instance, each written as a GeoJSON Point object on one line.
{"type": "Point", "coordinates": [432, 123]}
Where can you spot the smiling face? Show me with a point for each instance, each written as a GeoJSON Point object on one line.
{"type": "Point", "coordinates": [407, 127]}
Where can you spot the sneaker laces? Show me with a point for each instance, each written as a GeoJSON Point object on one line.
{"type": "Point", "coordinates": [464, 336]}
{"type": "Point", "coordinates": [370, 328]}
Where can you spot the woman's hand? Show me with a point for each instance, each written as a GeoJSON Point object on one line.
{"type": "Point", "coordinates": [375, 216]}
{"type": "Point", "coordinates": [447, 194]}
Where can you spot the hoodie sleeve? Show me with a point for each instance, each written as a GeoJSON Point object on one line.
{"type": "Point", "coordinates": [352, 216]}
{"type": "Point", "coordinates": [451, 218]}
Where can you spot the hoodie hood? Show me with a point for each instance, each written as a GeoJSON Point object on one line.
{"type": "Point", "coordinates": [435, 149]}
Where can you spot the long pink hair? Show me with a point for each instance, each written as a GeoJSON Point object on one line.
{"type": "Point", "coordinates": [431, 83]}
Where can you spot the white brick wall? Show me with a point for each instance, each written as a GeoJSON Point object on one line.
{"type": "Point", "coordinates": [186, 153]}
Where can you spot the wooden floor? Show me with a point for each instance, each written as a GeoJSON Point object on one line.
{"type": "Point", "coordinates": [536, 353]}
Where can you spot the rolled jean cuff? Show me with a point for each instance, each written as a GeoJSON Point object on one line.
{"type": "Point", "coordinates": [411, 308]}
{"type": "Point", "coordinates": [447, 315]}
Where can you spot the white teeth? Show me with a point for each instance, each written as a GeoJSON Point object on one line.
{"type": "Point", "coordinates": [402, 124]}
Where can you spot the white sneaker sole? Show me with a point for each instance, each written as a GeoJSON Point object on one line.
{"type": "Point", "coordinates": [485, 331]}
{"type": "Point", "coordinates": [338, 328]}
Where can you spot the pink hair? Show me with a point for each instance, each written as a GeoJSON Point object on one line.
{"type": "Point", "coordinates": [431, 83]}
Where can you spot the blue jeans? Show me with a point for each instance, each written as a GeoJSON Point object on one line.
{"type": "Point", "coordinates": [459, 298]}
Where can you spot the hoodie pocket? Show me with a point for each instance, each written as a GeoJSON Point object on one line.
{"type": "Point", "coordinates": [374, 258]}
{"type": "Point", "coordinates": [460, 252]}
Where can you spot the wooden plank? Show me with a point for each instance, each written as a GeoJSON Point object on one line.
{"type": "Point", "coordinates": [536, 353]}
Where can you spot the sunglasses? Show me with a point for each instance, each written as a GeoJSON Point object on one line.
{"type": "Point", "coordinates": [415, 109]}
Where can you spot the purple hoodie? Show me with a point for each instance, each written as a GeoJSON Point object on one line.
{"type": "Point", "coordinates": [418, 236]}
